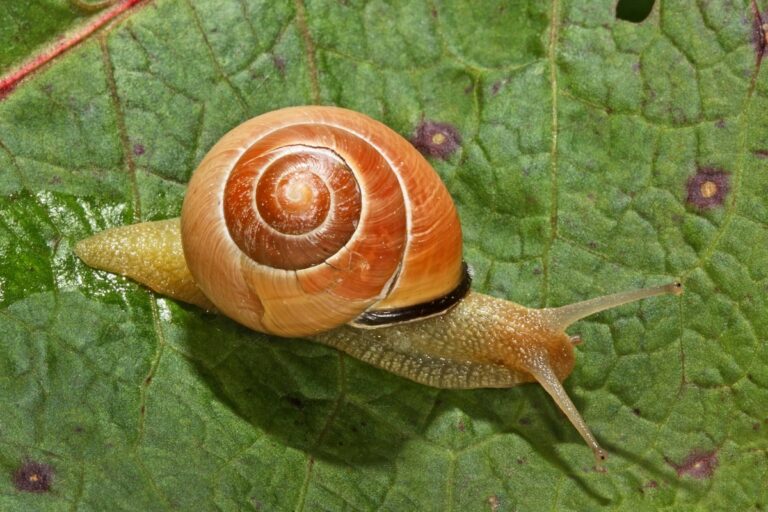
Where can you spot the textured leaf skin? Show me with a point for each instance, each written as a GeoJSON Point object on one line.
{"type": "Point", "coordinates": [28, 26]}
{"type": "Point", "coordinates": [579, 133]}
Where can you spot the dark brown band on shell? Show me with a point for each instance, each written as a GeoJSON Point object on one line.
{"type": "Point", "coordinates": [382, 317]}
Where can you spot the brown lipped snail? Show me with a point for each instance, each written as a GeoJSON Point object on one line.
{"type": "Point", "coordinates": [323, 223]}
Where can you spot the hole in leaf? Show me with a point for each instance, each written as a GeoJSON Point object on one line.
{"type": "Point", "coordinates": [634, 10]}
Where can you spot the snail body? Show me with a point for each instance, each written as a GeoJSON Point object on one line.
{"type": "Point", "coordinates": [322, 223]}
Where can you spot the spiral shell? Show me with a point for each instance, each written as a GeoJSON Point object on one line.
{"type": "Point", "coordinates": [302, 219]}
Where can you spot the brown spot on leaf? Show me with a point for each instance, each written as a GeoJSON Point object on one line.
{"type": "Point", "coordinates": [760, 153]}
{"type": "Point", "coordinates": [436, 139]}
{"type": "Point", "coordinates": [720, 123]}
{"type": "Point", "coordinates": [708, 188]}
{"type": "Point", "coordinates": [297, 403]}
{"type": "Point", "coordinates": [494, 502]}
{"type": "Point", "coordinates": [651, 484]}
{"type": "Point", "coordinates": [461, 426]}
{"type": "Point", "coordinates": [636, 411]}
{"type": "Point", "coordinates": [497, 85]}
{"type": "Point", "coordinates": [279, 63]}
{"type": "Point", "coordinates": [698, 465]}
{"type": "Point", "coordinates": [759, 31]}
{"type": "Point", "coordinates": [33, 476]}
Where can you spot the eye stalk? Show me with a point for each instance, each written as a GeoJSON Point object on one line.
{"type": "Point", "coordinates": [557, 320]}
{"type": "Point", "coordinates": [560, 318]}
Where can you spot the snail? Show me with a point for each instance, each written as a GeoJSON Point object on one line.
{"type": "Point", "coordinates": [320, 222]}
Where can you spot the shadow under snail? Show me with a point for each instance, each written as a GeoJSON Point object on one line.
{"type": "Point", "coordinates": [322, 223]}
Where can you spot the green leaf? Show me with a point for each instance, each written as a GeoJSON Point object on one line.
{"type": "Point", "coordinates": [581, 137]}
{"type": "Point", "coordinates": [26, 27]}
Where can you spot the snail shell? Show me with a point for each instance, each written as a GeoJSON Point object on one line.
{"type": "Point", "coordinates": [301, 219]}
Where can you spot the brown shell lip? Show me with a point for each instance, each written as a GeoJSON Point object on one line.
{"type": "Point", "coordinates": [382, 317]}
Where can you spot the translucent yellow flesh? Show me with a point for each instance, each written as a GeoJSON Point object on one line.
{"type": "Point", "coordinates": [150, 253]}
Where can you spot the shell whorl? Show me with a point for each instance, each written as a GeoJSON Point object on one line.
{"type": "Point", "coordinates": [292, 207]}
{"type": "Point", "coordinates": [301, 219]}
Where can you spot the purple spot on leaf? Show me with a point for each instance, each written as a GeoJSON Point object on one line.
{"type": "Point", "coordinates": [436, 139]}
{"type": "Point", "coordinates": [33, 477]}
{"type": "Point", "coordinates": [698, 465]}
{"type": "Point", "coordinates": [761, 153]}
{"type": "Point", "coordinates": [279, 63]}
{"type": "Point", "coordinates": [497, 85]}
{"type": "Point", "coordinates": [138, 149]}
{"type": "Point", "coordinates": [708, 188]}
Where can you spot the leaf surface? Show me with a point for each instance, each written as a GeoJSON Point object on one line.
{"type": "Point", "coordinates": [587, 143]}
